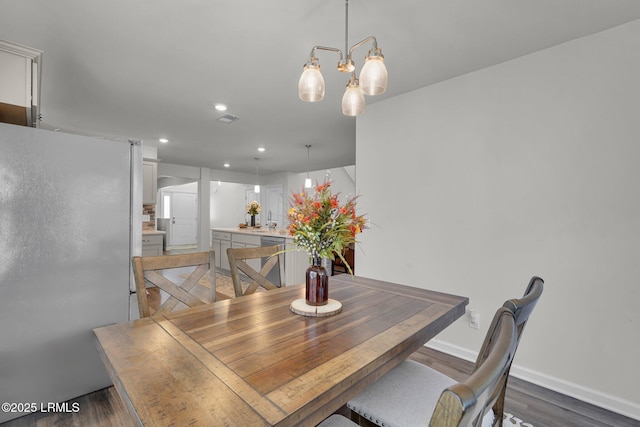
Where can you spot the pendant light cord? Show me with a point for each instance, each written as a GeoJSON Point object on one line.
{"type": "Point", "coordinates": [346, 26]}
{"type": "Point", "coordinates": [257, 175]}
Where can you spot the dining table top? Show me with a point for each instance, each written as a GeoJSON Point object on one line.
{"type": "Point", "coordinates": [251, 361]}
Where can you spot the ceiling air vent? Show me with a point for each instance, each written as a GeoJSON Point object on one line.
{"type": "Point", "coordinates": [228, 118]}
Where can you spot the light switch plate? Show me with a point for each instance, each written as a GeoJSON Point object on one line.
{"type": "Point", "coordinates": [146, 218]}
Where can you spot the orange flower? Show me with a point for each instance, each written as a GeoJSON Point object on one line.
{"type": "Point", "coordinates": [320, 225]}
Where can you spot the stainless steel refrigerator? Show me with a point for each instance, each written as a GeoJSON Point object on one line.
{"type": "Point", "coordinates": [65, 244]}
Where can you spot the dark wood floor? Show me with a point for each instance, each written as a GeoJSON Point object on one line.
{"type": "Point", "coordinates": [530, 403]}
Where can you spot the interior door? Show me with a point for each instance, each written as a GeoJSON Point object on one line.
{"type": "Point", "coordinates": [184, 218]}
{"type": "Point", "coordinates": [275, 205]}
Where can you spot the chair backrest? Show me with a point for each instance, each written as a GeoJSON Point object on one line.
{"type": "Point", "coordinates": [521, 309]}
{"type": "Point", "coordinates": [154, 270]}
{"type": "Point", "coordinates": [466, 403]}
{"type": "Point", "coordinates": [238, 263]}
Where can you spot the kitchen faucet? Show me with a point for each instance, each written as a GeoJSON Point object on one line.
{"type": "Point", "coordinates": [270, 224]}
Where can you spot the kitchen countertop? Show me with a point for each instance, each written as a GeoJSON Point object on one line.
{"type": "Point", "coordinates": [153, 232]}
{"type": "Point", "coordinates": [263, 231]}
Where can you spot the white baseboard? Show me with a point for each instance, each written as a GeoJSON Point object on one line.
{"type": "Point", "coordinates": [594, 397]}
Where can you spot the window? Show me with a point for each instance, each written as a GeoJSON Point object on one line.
{"type": "Point", "coordinates": [166, 206]}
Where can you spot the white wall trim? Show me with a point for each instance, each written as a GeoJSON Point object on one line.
{"type": "Point", "coordinates": [594, 397]}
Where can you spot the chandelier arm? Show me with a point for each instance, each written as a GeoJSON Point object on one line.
{"type": "Point", "coordinates": [360, 43]}
{"type": "Point", "coordinates": [331, 49]}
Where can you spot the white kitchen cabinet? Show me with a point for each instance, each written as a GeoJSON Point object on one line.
{"type": "Point", "coordinates": [247, 241]}
{"type": "Point", "coordinates": [152, 244]}
{"type": "Point", "coordinates": [296, 262]}
{"type": "Point", "coordinates": [220, 242]}
{"type": "Point", "coordinates": [20, 78]}
{"type": "Point", "coordinates": [224, 259]}
{"type": "Point", "coordinates": [149, 182]}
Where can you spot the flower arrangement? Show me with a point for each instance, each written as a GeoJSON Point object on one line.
{"type": "Point", "coordinates": [253, 208]}
{"type": "Point", "coordinates": [321, 226]}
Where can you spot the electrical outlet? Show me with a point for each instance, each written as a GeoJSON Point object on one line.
{"type": "Point", "coordinates": [146, 218]}
{"type": "Point", "coordinates": [474, 319]}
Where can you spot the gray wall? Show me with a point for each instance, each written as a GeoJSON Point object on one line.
{"type": "Point", "coordinates": [227, 204]}
{"type": "Point", "coordinates": [526, 168]}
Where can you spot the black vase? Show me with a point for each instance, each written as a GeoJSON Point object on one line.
{"type": "Point", "coordinates": [317, 281]}
{"type": "Point", "coordinates": [253, 220]}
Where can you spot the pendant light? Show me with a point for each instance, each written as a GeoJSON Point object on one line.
{"type": "Point", "coordinates": [256, 188]}
{"type": "Point", "coordinates": [374, 77]}
{"type": "Point", "coordinates": [353, 98]}
{"type": "Point", "coordinates": [372, 81]}
{"type": "Point", "coordinates": [307, 181]}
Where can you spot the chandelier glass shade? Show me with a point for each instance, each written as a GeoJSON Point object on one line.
{"type": "Point", "coordinates": [311, 84]}
{"type": "Point", "coordinates": [373, 77]}
{"type": "Point", "coordinates": [353, 99]}
{"type": "Point", "coordinates": [372, 81]}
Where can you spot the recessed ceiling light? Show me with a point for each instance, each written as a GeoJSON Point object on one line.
{"type": "Point", "coordinates": [261, 149]}
{"type": "Point", "coordinates": [220, 107]}
{"type": "Point", "coordinates": [226, 165]}
{"type": "Point", "coordinates": [163, 140]}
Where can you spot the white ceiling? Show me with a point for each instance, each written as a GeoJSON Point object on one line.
{"type": "Point", "coordinates": [145, 69]}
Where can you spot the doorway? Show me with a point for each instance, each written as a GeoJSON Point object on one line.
{"type": "Point", "coordinates": [182, 210]}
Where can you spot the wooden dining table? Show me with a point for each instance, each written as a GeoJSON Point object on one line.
{"type": "Point", "coordinates": [251, 361]}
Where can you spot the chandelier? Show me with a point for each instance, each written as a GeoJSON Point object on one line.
{"type": "Point", "coordinates": [372, 80]}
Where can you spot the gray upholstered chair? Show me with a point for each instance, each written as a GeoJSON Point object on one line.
{"type": "Point", "coordinates": [411, 393]}
{"type": "Point", "coordinates": [521, 308]}
{"type": "Point", "coordinates": [463, 404]}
